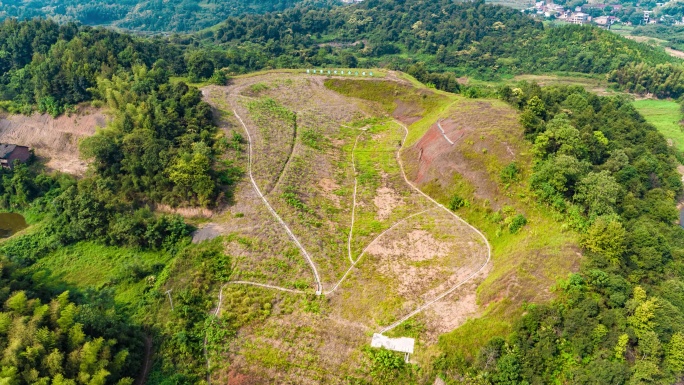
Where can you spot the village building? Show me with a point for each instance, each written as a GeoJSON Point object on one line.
{"type": "Point", "coordinates": [578, 18]}
{"type": "Point", "coordinates": [10, 153]}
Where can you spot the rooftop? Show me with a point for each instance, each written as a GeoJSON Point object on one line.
{"type": "Point", "coordinates": [6, 150]}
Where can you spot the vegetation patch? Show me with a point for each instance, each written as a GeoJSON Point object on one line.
{"type": "Point", "coordinates": [666, 116]}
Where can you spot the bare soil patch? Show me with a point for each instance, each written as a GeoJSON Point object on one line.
{"type": "Point", "coordinates": [329, 186]}
{"type": "Point", "coordinates": [386, 200]}
{"type": "Point", "coordinates": [188, 212]}
{"type": "Point", "coordinates": [427, 255]}
{"type": "Point", "coordinates": [407, 113]}
{"type": "Point", "coordinates": [478, 130]}
{"type": "Point", "coordinates": [419, 245]}
{"type": "Point", "coordinates": [674, 52]}
{"type": "Point", "coordinates": [208, 232]}
{"type": "Point", "coordinates": [53, 139]}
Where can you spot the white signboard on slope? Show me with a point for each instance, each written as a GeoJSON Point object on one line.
{"type": "Point", "coordinates": [402, 344]}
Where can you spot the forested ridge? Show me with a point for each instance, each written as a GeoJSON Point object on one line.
{"type": "Point", "coordinates": [52, 67]}
{"type": "Point", "coordinates": [144, 15]}
{"type": "Point", "coordinates": [470, 38]}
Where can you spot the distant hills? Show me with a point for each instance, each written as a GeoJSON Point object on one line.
{"type": "Point", "coordinates": [146, 15]}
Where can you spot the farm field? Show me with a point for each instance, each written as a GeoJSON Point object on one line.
{"type": "Point", "coordinates": [665, 115]}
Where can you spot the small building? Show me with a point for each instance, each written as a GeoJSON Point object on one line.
{"type": "Point", "coordinates": [403, 344]}
{"type": "Point", "coordinates": [579, 18]}
{"type": "Point", "coordinates": [9, 153]}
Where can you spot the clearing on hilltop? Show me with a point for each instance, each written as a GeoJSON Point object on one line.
{"type": "Point", "coordinates": [350, 191]}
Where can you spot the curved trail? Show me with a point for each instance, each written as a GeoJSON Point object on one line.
{"type": "Point", "coordinates": [369, 245]}
{"type": "Point", "coordinates": [273, 212]}
{"type": "Point", "coordinates": [453, 288]}
{"type": "Point", "coordinates": [355, 262]}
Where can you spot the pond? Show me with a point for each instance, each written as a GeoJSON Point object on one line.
{"type": "Point", "coordinates": [10, 223]}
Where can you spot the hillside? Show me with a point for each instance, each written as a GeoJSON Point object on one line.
{"type": "Point", "coordinates": [337, 168]}
{"type": "Point", "coordinates": [144, 15]}
{"type": "Point", "coordinates": [53, 140]}
{"type": "Point", "coordinates": [244, 227]}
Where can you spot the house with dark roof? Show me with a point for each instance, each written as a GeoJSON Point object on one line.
{"type": "Point", "coordinates": [9, 153]}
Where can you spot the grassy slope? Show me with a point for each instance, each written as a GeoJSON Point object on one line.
{"type": "Point", "coordinates": [525, 264]}
{"type": "Point", "coordinates": [665, 115]}
{"type": "Point", "coordinates": [91, 265]}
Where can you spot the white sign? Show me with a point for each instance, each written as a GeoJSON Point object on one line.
{"type": "Point", "coordinates": [402, 344]}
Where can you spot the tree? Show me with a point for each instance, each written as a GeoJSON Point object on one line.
{"type": "Point", "coordinates": [598, 192]}
{"type": "Point", "coordinates": [607, 238]}
{"type": "Point", "coordinates": [561, 138]}
{"type": "Point", "coordinates": [674, 355]}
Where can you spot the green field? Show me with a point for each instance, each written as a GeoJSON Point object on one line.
{"type": "Point", "coordinates": [665, 115]}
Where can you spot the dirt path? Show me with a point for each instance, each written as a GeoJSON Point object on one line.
{"type": "Point", "coordinates": [287, 163]}
{"type": "Point", "coordinates": [356, 183]}
{"type": "Point", "coordinates": [355, 262]}
{"type": "Point", "coordinates": [148, 361]}
{"type": "Point", "coordinates": [439, 125]}
{"type": "Point", "coordinates": [273, 212]}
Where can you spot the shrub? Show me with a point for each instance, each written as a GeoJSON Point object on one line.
{"type": "Point", "coordinates": [510, 173]}
{"type": "Point", "coordinates": [517, 223]}
{"type": "Point", "coordinates": [457, 202]}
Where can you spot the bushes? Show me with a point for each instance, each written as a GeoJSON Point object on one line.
{"type": "Point", "coordinates": [611, 321]}
{"type": "Point", "coordinates": [457, 202]}
{"type": "Point", "coordinates": [510, 173]}
{"type": "Point", "coordinates": [517, 222]}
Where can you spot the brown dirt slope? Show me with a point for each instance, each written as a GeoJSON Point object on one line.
{"type": "Point", "coordinates": [54, 140]}
{"type": "Point", "coordinates": [434, 159]}
{"type": "Point", "coordinates": [487, 137]}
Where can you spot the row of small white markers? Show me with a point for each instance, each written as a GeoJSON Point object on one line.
{"type": "Point", "coordinates": [336, 72]}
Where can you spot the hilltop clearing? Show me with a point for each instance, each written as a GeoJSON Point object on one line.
{"type": "Point", "coordinates": [54, 140]}
{"type": "Point", "coordinates": [324, 155]}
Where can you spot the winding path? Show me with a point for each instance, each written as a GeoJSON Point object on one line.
{"type": "Point", "coordinates": [461, 283]}
{"type": "Point", "coordinates": [273, 212]}
{"type": "Point", "coordinates": [353, 262]}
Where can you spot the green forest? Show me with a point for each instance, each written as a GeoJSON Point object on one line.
{"type": "Point", "coordinates": [144, 15]}
{"type": "Point", "coordinates": [599, 167]}
{"type": "Point", "coordinates": [48, 339]}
